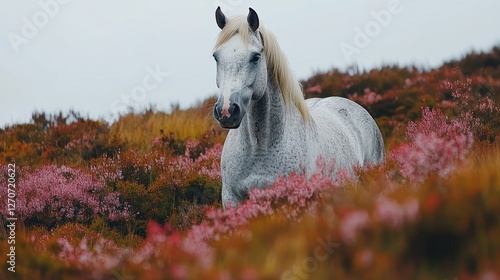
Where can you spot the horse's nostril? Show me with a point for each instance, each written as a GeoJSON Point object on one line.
{"type": "Point", "coordinates": [235, 109]}
{"type": "Point", "coordinates": [217, 110]}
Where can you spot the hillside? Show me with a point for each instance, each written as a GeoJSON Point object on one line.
{"type": "Point", "coordinates": [140, 197]}
{"type": "Point", "coordinates": [395, 95]}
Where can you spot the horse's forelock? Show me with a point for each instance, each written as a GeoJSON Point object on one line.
{"type": "Point", "coordinates": [236, 25]}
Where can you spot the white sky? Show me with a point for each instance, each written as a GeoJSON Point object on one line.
{"type": "Point", "coordinates": [95, 56]}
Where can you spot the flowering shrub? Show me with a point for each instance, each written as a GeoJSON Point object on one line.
{"type": "Point", "coordinates": [439, 145]}
{"type": "Point", "coordinates": [54, 195]}
{"type": "Point", "coordinates": [352, 223]}
{"type": "Point", "coordinates": [287, 199]}
{"type": "Point", "coordinates": [434, 145]}
{"type": "Point", "coordinates": [164, 187]}
{"type": "Point", "coordinates": [394, 214]}
{"type": "Point", "coordinates": [368, 98]}
{"type": "Point", "coordinates": [397, 233]}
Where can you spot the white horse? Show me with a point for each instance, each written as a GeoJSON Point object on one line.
{"type": "Point", "coordinates": [274, 130]}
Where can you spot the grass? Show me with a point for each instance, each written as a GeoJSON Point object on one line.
{"type": "Point", "coordinates": [139, 129]}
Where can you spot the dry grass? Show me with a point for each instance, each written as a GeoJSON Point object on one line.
{"type": "Point", "coordinates": [139, 129]}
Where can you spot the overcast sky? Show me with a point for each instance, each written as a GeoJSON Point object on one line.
{"type": "Point", "coordinates": [99, 57]}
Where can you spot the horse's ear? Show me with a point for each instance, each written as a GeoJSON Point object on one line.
{"type": "Point", "coordinates": [253, 20]}
{"type": "Point", "coordinates": [220, 18]}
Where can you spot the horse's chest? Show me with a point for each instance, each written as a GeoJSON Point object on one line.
{"type": "Point", "coordinates": [239, 163]}
{"type": "Point", "coordinates": [258, 162]}
{"type": "Point", "coordinates": [245, 166]}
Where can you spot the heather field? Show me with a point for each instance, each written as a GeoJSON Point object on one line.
{"type": "Point", "coordinates": [140, 198]}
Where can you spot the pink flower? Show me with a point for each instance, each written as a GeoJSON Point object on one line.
{"type": "Point", "coordinates": [104, 255]}
{"type": "Point", "coordinates": [435, 145]}
{"type": "Point", "coordinates": [352, 223]}
{"type": "Point", "coordinates": [65, 194]}
{"type": "Point", "coordinates": [394, 214]}
{"type": "Point", "coordinates": [314, 89]}
{"type": "Point", "coordinates": [487, 105]}
{"type": "Point", "coordinates": [287, 198]}
{"type": "Point", "coordinates": [368, 98]}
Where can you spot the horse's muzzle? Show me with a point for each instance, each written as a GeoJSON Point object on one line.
{"type": "Point", "coordinates": [230, 117]}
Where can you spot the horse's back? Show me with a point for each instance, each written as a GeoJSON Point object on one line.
{"type": "Point", "coordinates": [349, 128]}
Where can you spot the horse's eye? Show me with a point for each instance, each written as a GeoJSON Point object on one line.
{"type": "Point", "coordinates": [255, 58]}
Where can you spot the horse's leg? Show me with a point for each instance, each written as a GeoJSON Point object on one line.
{"type": "Point", "coordinates": [229, 198]}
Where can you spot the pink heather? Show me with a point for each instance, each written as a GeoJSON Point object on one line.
{"type": "Point", "coordinates": [65, 194]}
{"type": "Point", "coordinates": [434, 145]}
{"type": "Point", "coordinates": [103, 256]}
{"type": "Point", "coordinates": [352, 223]}
{"type": "Point", "coordinates": [368, 98]}
{"type": "Point", "coordinates": [394, 214]}
{"type": "Point", "coordinates": [488, 106]}
{"type": "Point", "coordinates": [288, 198]}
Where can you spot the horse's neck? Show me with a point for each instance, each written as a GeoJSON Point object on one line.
{"type": "Point", "coordinates": [266, 120]}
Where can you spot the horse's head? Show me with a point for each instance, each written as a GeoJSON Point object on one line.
{"type": "Point", "coordinates": [241, 67]}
